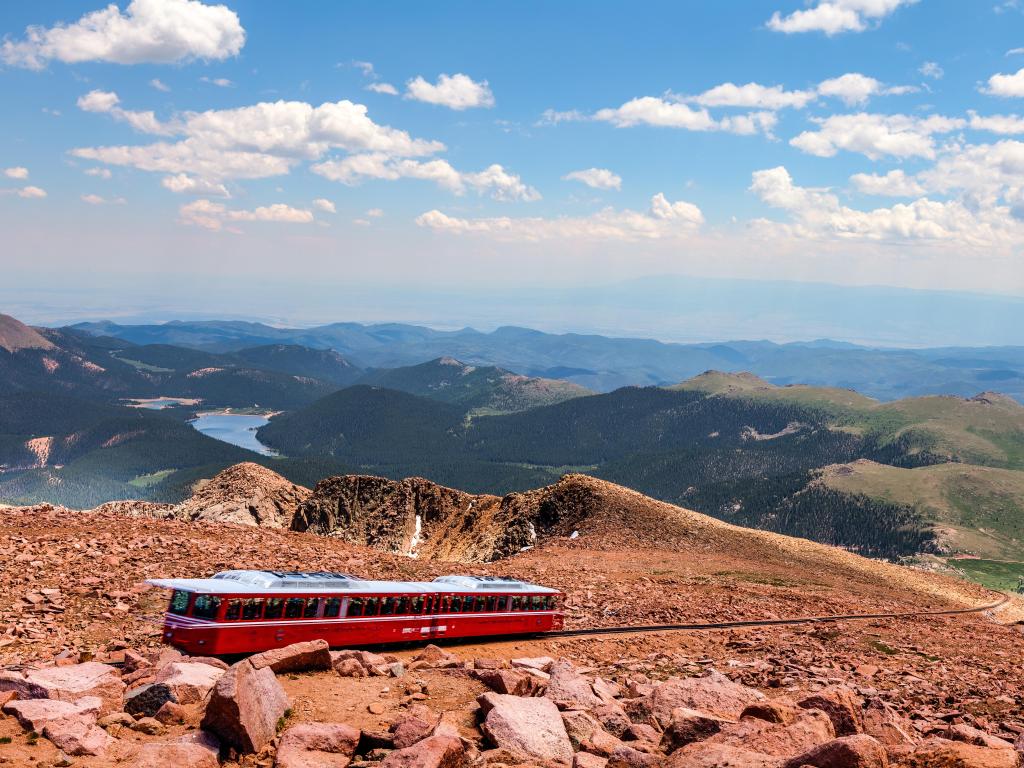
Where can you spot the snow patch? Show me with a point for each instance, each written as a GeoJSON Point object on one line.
{"type": "Point", "coordinates": [416, 538]}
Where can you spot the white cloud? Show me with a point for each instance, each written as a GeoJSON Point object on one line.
{"type": "Point", "coordinates": [375, 213]}
{"type": "Point", "coordinates": [876, 136]}
{"type": "Point", "coordinates": [214, 216]}
{"type": "Point", "coordinates": [835, 16]}
{"type": "Point", "coordinates": [753, 95]}
{"type": "Point", "coordinates": [386, 88]}
{"type": "Point", "coordinates": [107, 102]}
{"type": "Point", "coordinates": [456, 91]}
{"type": "Point", "coordinates": [597, 178]}
{"type": "Point", "coordinates": [554, 117]}
{"type": "Point", "coordinates": [664, 220]}
{"type": "Point", "coordinates": [893, 184]}
{"type": "Point", "coordinates": [1014, 52]}
{"type": "Point", "coordinates": [154, 31]}
{"type": "Point", "coordinates": [17, 172]}
{"type": "Point", "coordinates": [220, 82]}
{"type": "Point", "coordinates": [818, 214]}
{"type": "Point", "coordinates": [324, 205]}
{"type": "Point", "coordinates": [92, 199]}
{"type": "Point", "coordinates": [31, 192]}
{"type": "Point", "coordinates": [650, 110]}
{"type": "Point", "coordinates": [855, 88]}
{"type": "Point", "coordinates": [183, 184]}
{"type": "Point", "coordinates": [931, 69]}
{"type": "Point", "coordinates": [493, 180]}
{"type": "Point", "coordinates": [1007, 86]}
{"type": "Point", "coordinates": [160, 85]}
{"type": "Point", "coordinates": [1004, 124]}
{"type": "Point", "coordinates": [99, 173]}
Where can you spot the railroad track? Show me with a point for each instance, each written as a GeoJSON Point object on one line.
{"type": "Point", "coordinates": [770, 622]}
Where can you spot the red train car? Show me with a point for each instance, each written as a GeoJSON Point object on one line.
{"type": "Point", "coordinates": [251, 611]}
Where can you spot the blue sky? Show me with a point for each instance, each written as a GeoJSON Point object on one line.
{"type": "Point", "coordinates": [466, 147]}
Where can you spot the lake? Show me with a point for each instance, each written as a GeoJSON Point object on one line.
{"type": "Point", "coordinates": [235, 428]}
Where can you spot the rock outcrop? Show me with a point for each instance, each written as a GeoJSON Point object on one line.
{"type": "Point", "coordinates": [244, 707]}
{"type": "Point", "coordinates": [244, 494]}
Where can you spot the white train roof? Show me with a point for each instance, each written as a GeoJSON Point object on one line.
{"type": "Point", "coordinates": [300, 582]}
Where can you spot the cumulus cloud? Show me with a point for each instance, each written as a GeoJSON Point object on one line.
{"type": "Point", "coordinates": [257, 141]}
{"type": "Point", "coordinates": [375, 213]}
{"type": "Point", "coordinates": [835, 16]}
{"type": "Point", "coordinates": [876, 136]}
{"type": "Point", "coordinates": [892, 184]}
{"type": "Point", "coordinates": [659, 112]}
{"type": "Point", "coordinates": [220, 82]}
{"type": "Point", "coordinates": [754, 95]}
{"type": "Point", "coordinates": [931, 69]}
{"type": "Point", "coordinates": [183, 184]}
{"type": "Point", "coordinates": [493, 180]}
{"type": "Point", "coordinates": [150, 31]}
{"type": "Point", "coordinates": [855, 88]}
{"type": "Point", "coordinates": [1004, 124]}
{"type": "Point", "coordinates": [818, 214]}
{"type": "Point", "coordinates": [108, 101]}
{"type": "Point", "coordinates": [663, 220]}
{"type": "Point", "coordinates": [214, 216]}
{"type": "Point", "coordinates": [18, 172]}
{"type": "Point", "coordinates": [324, 205]}
{"type": "Point", "coordinates": [92, 199]}
{"type": "Point", "coordinates": [159, 85]}
{"type": "Point", "coordinates": [596, 178]}
{"type": "Point", "coordinates": [456, 91]}
{"type": "Point", "coordinates": [385, 88]}
{"type": "Point", "coordinates": [99, 173]}
{"type": "Point", "coordinates": [1007, 86]}
{"type": "Point", "coordinates": [31, 192]}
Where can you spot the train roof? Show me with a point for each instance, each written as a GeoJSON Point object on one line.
{"type": "Point", "coordinates": [301, 582]}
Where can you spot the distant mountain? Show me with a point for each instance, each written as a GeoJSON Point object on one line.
{"type": "Point", "coordinates": [15, 336]}
{"type": "Point", "coordinates": [323, 364]}
{"type": "Point", "coordinates": [478, 389]}
{"type": "Point", "coordinates": [603, 363]}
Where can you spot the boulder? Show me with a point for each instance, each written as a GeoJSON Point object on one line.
{"type": "Point", "coordinates": [189, 681]}
{"type": "Point", "coordinates": [613, 719]}
{"type": "Point", "coordinates": [317, 745]}
{"type": "Point", "coordinates": [434, 752]}
{"type": "Point", "coordinates": [198, 749]}
{"type": "Point", "coordinates": [148, 725]}
{"type": "Point", "coordinates": [714, 694]}
{"type": "Point", "coordinates": [417, 726]}
{"type": "Point", "coordinates": [626, 757]}
{"type": "Point", "coordinates": [588, 760]}
{"type": "Point", "coordinates": [580, 726]}
{"type": "Point", "coordinates": [71, 683]}
{"type": "Point", "coordinates": [173, 713]}
{"type": "Point", "coordinates": [297, 657]}
{"type": "Point", "coordinates": [34, 714]}
{"type": "Point", "coordinates": [970, 735]}
{"type": "Point", "coordinates": [77, 736]}
{"type": "Point", "coordinates": [508, 681]}
{"type": "Point", "coordinates": [569, 689]}
{"type": "Point", "coordinates": [706, 754]}
{"type": "Point", "coordinates": [942, 753]}
{"type": "Point", "coordinates": [842, 705]}
{"type": "Point", "coordinates": [531, 727]}
{"type": "Point", "coordinates": [687, 726]}
{"type": "Point", "coordinates": [856, 751]}
{"type": "Point", "coordinates": [245, 706]}
{"type": "Point", "coordinates": [540, 663]}
{"type": "Point", "coordinates": [886, 724]}
{"type": "Point", "coordinates": [350, 668]}
{"type": "Point", "coordinates": [773, 710]}
{"type": "Point", "coordinates": [808, 730]}
{"type": "Point", "coordinates": [146, 700]}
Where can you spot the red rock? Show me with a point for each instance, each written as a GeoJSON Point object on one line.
{"type": "Point", "coordinates": [190, 682]}
{"type": "Point", "coordinates": [687, 726]}
{"type": "Point", "coordinates": [317, 745]}
{"type": "Point", "coordinates": [531, 727]}
{"type": "Point", "coordinates": [887, 725]}
{"type": "Point", "coordinates": [34, 714]}
{"type": "Point", "coordinates": [412, 729]}
{"type": "Point", "coordinates": [580, 727]}
{"type": "Point", "coordinates": [808, 730]}
{"type": "Point", "coordinates": [435, 752]}
{"type": "Point", "coordinates": [979, 738]}
{"type": "Point", "coordinates": [78, 681]}
{"type": "Point", "coordinates": [297, 657]}
{"type": "Point", "coordinates": [507, 681]}
{"type": "Point", "coordinates": [942, 753]}
{"type": "Point", "coordinates": [541, 663]}
{"type": "Point", "coordinates": [706, 754]}
{"type": "Point", "coordinates": [842, 705]}
{"type": "Point", "coordinates": [350, 668]}
{"type": "Point", "coordinates": [856, 751]}
{"type": "Point", "coordinates": [714, 694]}
{"type": "Point", "coordinates": [77, 736]}
{"type": "Point", "coordinates": [587, 760]}
{"type": "Point", "coordinates": [569, 689]}
{"type": "Point", "coordinates": [172, 713]}
{"type": "Point", "coordinates": [627, 757]}
{"type": "Point", "coordinates": [642, 732]}
{"type": "Point", "coordinates": [613, 719]}
{"type": "Point", "coordinates": [774, 711]}
{"type": "Point", "coordinates": [244, 707]}
{"type": "Point", "coordinates": [194, 750]}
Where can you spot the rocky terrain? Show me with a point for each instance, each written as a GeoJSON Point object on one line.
{"type": "Point", "coordinates": [85, 682]}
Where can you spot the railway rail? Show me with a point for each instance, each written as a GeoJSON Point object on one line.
{"type": "Point", "coordinates": [718, 625]}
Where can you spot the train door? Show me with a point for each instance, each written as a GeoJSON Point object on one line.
{"type": "Point", "coordinates": [438, 623]}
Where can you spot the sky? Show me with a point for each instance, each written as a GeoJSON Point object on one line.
{"type": "Point", "coordinates": [447, 162]}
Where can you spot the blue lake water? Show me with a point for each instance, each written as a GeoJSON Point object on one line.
{"type": "Point", "coordinates": [235, 428]}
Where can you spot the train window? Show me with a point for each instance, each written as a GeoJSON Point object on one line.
{"type": "Point", "coordinates": [491, 602]}
{"type": "Point", "coordinates": [372, 606]}
{"type": "Point", "coordinates": [480, 604]}
{"type": "Point", "coordinates": [467, 604]}
{"type": "Point", "coordinates": [206, 607]}
{"type": "Point", "coordinates": [274, 607]}
{"type": "Point", "coordinates": [234, 610]}
{"type": "Point", "coordinates": [312, 604]}
{"type": "Point", "coordinates": [417, 605]}
{"type": "Point", "coordinates": [387, 606]}
{"type": "Point", "coordinates": [355, 606]}
{"type": "Point", "coordinates": [538, 603]}
{"type": "Point", "coordinates": [549, 603]}
{"type": "Point", "coordinates": [515, 604]}
{"type": "Point", "coordinates": [502, 602]}
{"type": "Point", "coordinates": [179, 602]}
{"type": "Point", "coordinates": [456, 604]}
{"type": "Point", "coordinates": [252, 608]}
{"type": "Point", "coordinates": [293, 608]}
{"type": "Point", "coordinates": [332, 607]}
{"type": "Point", "coordinates": [403, 605]}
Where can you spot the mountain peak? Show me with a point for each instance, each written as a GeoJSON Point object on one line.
{"type": "Point", "coordinates": [15, 335]}
{"type": "Point", "coordinates": [720, 382]}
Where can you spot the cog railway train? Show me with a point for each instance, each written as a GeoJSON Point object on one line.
{"type": "Point", "coordinates": [250, 611]}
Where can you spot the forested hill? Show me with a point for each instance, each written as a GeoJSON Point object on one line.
{"type": "Point", "coordinates": [731, 446]}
